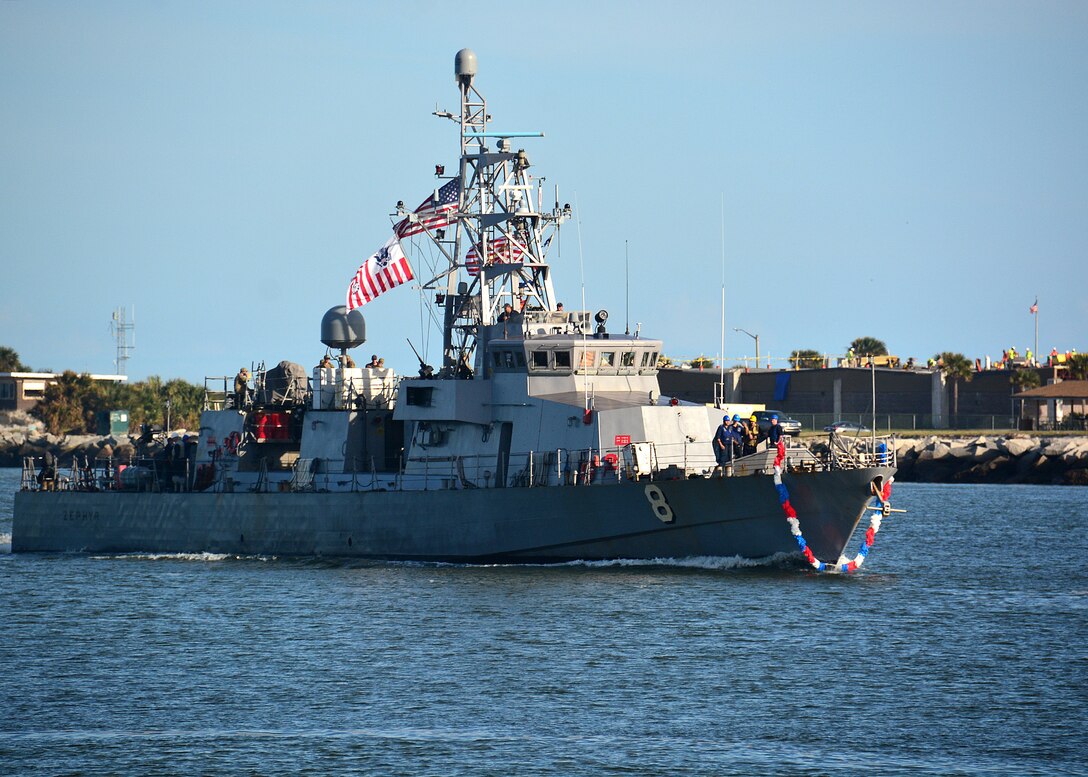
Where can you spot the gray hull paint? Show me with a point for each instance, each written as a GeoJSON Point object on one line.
{"type": "Point", "coordinates": [718, 517]}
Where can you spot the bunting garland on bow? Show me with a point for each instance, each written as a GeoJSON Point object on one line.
{"type": "Point", "coordinates": [795, 526]}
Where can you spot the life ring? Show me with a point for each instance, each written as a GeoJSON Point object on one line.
{"type": "Point", "coordinates": [231, 443]}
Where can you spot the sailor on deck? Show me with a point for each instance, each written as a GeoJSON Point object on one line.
{"type": "Point", "coordinates": [774, 434]}
{"type": "Point", "coordinates": [241, 388]}
{"type": "Point", "coordinates": [724, 440]}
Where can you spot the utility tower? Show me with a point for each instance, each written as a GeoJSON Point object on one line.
{"type": "Point", "coordinates": [120, 327]}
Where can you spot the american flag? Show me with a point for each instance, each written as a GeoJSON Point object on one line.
{"type": "Point", "coordinates": [1034, 306]}
{"type": "Point", "coordinates": [434, 212]}
{"type": "Point", "coordinates": [386, 269]}
{"type": "Point", "coordinates": [498, 250]}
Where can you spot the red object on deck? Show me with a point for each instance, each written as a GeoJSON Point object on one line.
{"type": "Point", "coordinates": [273, 426]}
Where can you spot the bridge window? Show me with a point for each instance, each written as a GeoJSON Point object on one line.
{"type": "Point", "coordinates": [562, 360]}
{"type": "Point", "coordinates": [420, 396]}
{"type": "Point", "coordinates": [645, 359]}
{"type": "Point", "coordinates": [608, 359]}
{"type": "Point", "coordinates": [508, 360]}
{"type": "Point", "coordinates": [540, 360]}
{"type": "Point", "coordinates": [628, 359]}
{"type": "Point", "coordinates": [587, 359]}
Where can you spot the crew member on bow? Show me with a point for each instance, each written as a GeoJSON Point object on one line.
{"type": "Point", "coordinates": [724, 439]}
{"type": "Point", "coordinates": [774, 434]}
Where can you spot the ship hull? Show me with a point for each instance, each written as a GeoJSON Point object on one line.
{"type": "Point", "coordinates": [709, 517]}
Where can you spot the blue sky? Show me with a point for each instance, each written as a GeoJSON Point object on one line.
{"type": "Point", "coordinates": [915, 171]}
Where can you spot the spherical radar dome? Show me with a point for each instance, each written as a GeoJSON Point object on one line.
{"type": "Point", "coordinates": [341, 328]}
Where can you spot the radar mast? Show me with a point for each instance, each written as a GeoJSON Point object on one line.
{"type": "Point", "coordinates": [501, 236]}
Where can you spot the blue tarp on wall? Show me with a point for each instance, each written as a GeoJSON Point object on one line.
{"type": "Point", "coordinates": [781, 386]}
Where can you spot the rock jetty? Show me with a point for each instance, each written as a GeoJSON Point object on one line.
{"type": "Point", "coordinates": [991, 459]}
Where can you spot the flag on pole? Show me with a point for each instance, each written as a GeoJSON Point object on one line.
{"type": "Point", "coordinates": [500, 250]}
{"type": "Point", "coordinates": [434, 212]}
{"type": "Point", "coordinates": [1034, 306]}
{"type": "Point", "coordinates": [386, 269]}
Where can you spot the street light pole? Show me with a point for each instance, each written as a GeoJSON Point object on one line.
{"type": "Point", "coordinates": [754, 337]}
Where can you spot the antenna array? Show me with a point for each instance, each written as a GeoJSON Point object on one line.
{"type": "Point", "coordinates": [120, 326]}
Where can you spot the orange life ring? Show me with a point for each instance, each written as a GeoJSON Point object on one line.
{"type": "Point", "coordinates": [231, 443]}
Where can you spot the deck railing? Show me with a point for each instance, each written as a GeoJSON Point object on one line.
{"type": "Point", "coordinates": [530, 469]}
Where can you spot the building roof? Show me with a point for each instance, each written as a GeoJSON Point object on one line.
{"type": "Point", "coordinates": [1067, 389]}
{"type": "Point", "coordinates": [55, 375]}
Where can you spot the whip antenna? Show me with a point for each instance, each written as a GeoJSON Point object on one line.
{"type": "Point", "coordinates": [721, 373]}
{"type": "Point", "coordinates": [582, 273]}
{"type": "Point", "coordinates": [627, 280]}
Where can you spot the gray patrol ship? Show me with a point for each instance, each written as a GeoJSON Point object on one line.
{"type": "Point", "coordinates": [543, 437]}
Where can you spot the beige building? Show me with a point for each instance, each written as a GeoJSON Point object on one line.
{"type": "Point", "coordinates": [23, 390]}
{"type": "Point", "coordinates": [1062, 405]}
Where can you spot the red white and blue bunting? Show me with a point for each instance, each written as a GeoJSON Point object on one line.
{"type": "Point", "coordinates": [795, 527]}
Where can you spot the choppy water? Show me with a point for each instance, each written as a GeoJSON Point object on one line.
{"type": "Point", "coordinates": [959, 649]}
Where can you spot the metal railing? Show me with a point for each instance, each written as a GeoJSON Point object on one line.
{"type": "Point", "coordinates": [572, 467]}
{"type": "Point", "coordinates": [142, 473]}
{"type": "Point", "coordinates": [849, 452]}
{"type": "Point", "coordinates": [887, 422]}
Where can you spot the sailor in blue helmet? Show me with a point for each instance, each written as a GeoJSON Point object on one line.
{"type": "Point", "coordinates": [741, 433]}
{"type": "Point", "coordinates": [774, 434]}
{"type": "Point", "coordinates": [724, 440]}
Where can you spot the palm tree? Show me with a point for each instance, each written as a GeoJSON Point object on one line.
{"type": "Point", "coordinates": [1025, 379]}
{"type": "Point", "coordinates": [869, 346]}
{"type": "Point", "coordinates": [806, 358]}
{"type": "Point", "coordinates": [10, 362]}
{"type": "Point", "coordinates": [62, 408]}
{"type": "Point", "coordinates": [1078, 366]}
{"type": "Point", "coordinates": [955, 367]}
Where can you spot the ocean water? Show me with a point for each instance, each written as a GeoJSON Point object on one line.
{"type": "Point", "coordinates": [960, 648]}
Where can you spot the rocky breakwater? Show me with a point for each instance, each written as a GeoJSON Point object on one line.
{"type": "Point", "coordinates": [17, 445]}
{"type": "Point", "coordinates": [22, 436]}
{"type": "Point", "coordinates": [1013, 459]}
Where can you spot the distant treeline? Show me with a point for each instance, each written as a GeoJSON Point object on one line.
{"type": "Point", "coordinates": [72, 404]}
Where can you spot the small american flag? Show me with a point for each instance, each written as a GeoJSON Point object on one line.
{"type": "Point", "coordinates": [1034, 306]}
{"type": "Point", "coordinates": [434, 212]}
{"type": "Point", "coordinates": [386, 269]}
{"type": "Point", "coordinates": [498, 250]}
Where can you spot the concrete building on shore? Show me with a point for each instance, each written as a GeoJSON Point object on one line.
{"type": "Point", "coordinates": [905, 399]}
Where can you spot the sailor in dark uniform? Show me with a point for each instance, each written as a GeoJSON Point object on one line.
{"type": "Point", "coordinates": [774, 434]}
{"type": "Point", "coordinates": [724, 440]}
